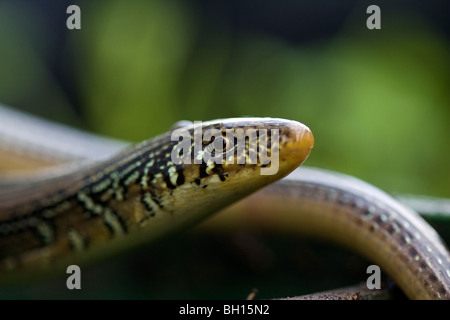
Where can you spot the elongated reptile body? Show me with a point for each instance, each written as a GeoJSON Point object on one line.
{"type": "Point", "coordinates": [346, 210]}
{"type": "Point", "coordinates": [138, 195]}
{"type": "Point", "coordinates": [314, 201]}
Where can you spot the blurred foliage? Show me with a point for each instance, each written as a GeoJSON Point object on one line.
{"type": "Point", "coordinates": [376, 101]}
{"type": "Point", "coordinates": [132, 57]}
{"type": "Point", "coordinates": [25, 81]}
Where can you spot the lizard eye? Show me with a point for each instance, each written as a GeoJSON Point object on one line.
{"type": "Point", "coordinates": [221, 144]}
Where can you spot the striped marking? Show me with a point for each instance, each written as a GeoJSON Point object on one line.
{"type": "Point", "coordinates": [130, 168]}
{"type": "Point", "coordinates": [45, 232]}
{"type": "Point", "coordinates": [118, 190]}
{"type": "Point", "coordinates": [131, 178]}
{"type": "Point", "coordinates": [210, 165]}
{"type": "Point", "coordinates": [144, 181]}
{"type": "Point", "coordinates": [89, 204]}
{"type": "Point", "coordinates": [112, 219]}
{"type": "Point", "coordinates": [76, 240]}
{"type": "Point", "coordinates": [173, 175]}
{"type": "Point", "coordinates": [151, 205]}
{"type": "Point", "coordinates": [114, 222]}
{"type": "Point", "coordinates": [101, 186]}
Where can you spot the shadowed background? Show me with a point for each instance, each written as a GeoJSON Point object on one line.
{"type": "Point", "coordinates": [377, 101]}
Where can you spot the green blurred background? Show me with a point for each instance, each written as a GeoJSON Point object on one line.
{"type": "Point", "coordinates": [377, 101]}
